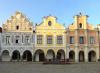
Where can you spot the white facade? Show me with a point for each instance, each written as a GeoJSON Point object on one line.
{"type": "Point", "coordinates": [18, 41]}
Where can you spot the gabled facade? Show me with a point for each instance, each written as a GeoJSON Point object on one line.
{"type": "Point", "coordinates": [17, 36]}
{"type": "Point", "coordinates": [82, 40]}
{"type": "Point", "coordinates": [50, 39]}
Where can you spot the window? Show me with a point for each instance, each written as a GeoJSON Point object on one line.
{"type": "Point", "coordinates": [39, 39]}
{"type": "Point", "coordinates": [80, 25]}
{"type": "Point", "coordinates": [17, 27]}
{"type": "Point", "coordinates": [49, 23]}
{"type": "Point", "coordinates": [27, 39]}
{"type": "Point", "coordinates": [59, 40]}
{"type": "Point", "coordinates": [49, 39]}
{"type": "Point", "coordinates": [7, 39]}
{"type": "Point", "coordinates": [91, 40]}
{"type": "Point", "coordinates": [17, 39]}
{"type": "Point", "coordinates": [71, 39]}
{"type": "Point", "coordinates": [81, 40]}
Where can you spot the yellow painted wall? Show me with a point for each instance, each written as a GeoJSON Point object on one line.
{"type": "Point", "coordinates": [55, 28]}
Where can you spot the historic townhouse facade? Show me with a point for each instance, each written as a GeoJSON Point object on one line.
{"type": "Point", "coordinates": [49, 40]}
{"type": "Point", "coordinates": [17, 39]}
{"type": "Point", "coordinates": [82, 40]}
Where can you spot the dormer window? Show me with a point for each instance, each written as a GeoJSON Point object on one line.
{"type": "Point", "coordinates": [17, 27]}
{"type": "Point", "coordinates": [49, 23]}
{"type": "Point", "coordinates": [80, 25]}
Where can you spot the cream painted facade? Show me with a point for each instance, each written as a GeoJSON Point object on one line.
{"type": "Point", "coordinates": [50, 27]}
{"type": "Point", "coordinates": [21, 40]}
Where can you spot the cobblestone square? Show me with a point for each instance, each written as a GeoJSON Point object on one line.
{"type": "Point", "coordinates": [23, 67]}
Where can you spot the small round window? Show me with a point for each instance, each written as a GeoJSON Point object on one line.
{"type": "Point", "coordinates": [49, 23]}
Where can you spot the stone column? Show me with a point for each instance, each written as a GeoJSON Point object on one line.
{"type": "Point", "coordinates": [97, 54]}
{"type": "Point", "coordinates": [21, 58]}
{"type": "Point", "coordinates": [67, 53]}
{"type": "Point", "coordinates": [76, 54]}
{"type": "Point", "coordinates": [86, 54]}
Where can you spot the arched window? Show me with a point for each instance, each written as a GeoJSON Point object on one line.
{"type": "Point", "coordinates": [80, 25]}
{"type": "Point", "coordinates": [17, 27]}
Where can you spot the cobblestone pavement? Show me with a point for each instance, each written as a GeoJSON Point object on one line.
{"type": "Point", "coordinates": [9, 67]}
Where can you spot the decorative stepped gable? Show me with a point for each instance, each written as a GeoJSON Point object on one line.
{"type": "Point", "coordinates": [80, 22]}
{"type": "Point", "coordinates": [18, 23]}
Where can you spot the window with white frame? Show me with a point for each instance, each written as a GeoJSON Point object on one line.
{"type": "Point", "coordinates": [27, 39]}
{"type": "Point", "coordinates": [7, 39]}
{"type": "Point", "coordinates": [49, 39]}
{"type": "Point", "coordinates": [39, 39]}
{"type": "Point", "coordinates": [91, 40]}
{"type": "Point", "coordinates": [81, 40]}
{"type": "Point", "coordinates": [59, 40]}
{"type": "Point", "coordinates": [71, 39]}
{"type": "Point", "coordinates": [17, 40]}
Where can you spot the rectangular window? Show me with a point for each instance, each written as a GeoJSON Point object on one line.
{"type": "Point", "coordinates": [27, 39]}
{"type": "Point", "coordinates": [81, 40]}
{"type": "Point", "coordinates": [7, 39]}
{"type": "Point", "coordinates": [59, 40]}
{"type": "Point", "coordinates": [49, 39]}
{"type": "Point", "coordinates": [39, 39]}
{"type": "Point", "coordinates": [71, 39]}
{"type": "Point", "coordinates": [17, 39]}
{"type": "Point", "coordinates": [91, 40]}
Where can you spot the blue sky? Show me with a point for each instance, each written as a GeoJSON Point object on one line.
{"type": "Point", "coordinates": [64, 10]}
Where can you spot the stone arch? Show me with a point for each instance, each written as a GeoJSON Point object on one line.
{"type": "Point", "coordinates": [27, 55]}
{"type": "Point", "coordinates": [60, 54]}
{"type": "Point", "coordinates": [50, 55]}
{"type": "Point", "coordinates": [5, 55]}
{"type": "Point", "coordinates": [72, 56]}
{"type": "Point", "coordinates": [81, 56]}
{"type": "Point", "coordinates": [92, 56]}
{"type": "Point", "coordinates": [15, 55]}
{"type": "Point", "coordinates": [39, 55]}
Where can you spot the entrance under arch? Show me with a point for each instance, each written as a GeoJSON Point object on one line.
{"type": "Point", "coordinates": [15, 55]}
{"type": "Point", "coordinates": [50, 55]}
{"type": "Point", "coordinates": [39, 56]}
{"type": "Point", "coordinates": [27, 56]}
{"type": "Point", "coordinates": [92, 56]}
{"type": "Point", "coordinates": [60, 54]}
{"type": "Point", "coordinates": [81, 56]}
{"type": "Point", "coordinates": [5, 55]}
{"type": "Point", "coordinates": [72, 56]}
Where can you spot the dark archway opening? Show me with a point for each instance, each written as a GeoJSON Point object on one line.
{"type": "Point", "coordinates": [91, 56]}
{"type": "Point", "coordinates": [71, 56]}
{"type": "Point", "coordinates": [16, 55]}
{"type": "Point", "coordinates": [27, 56]}
{"type": "Point", "coordinates": [39, 56]}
